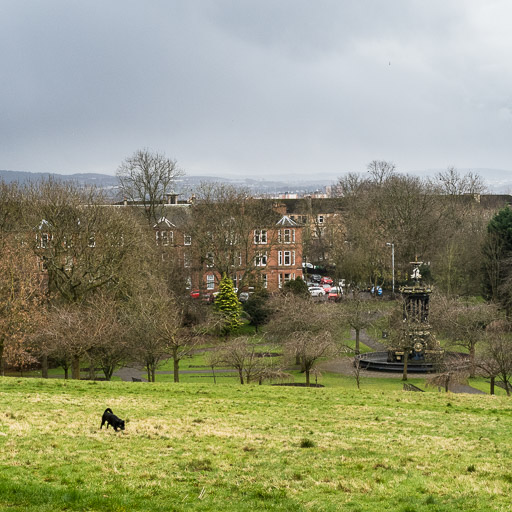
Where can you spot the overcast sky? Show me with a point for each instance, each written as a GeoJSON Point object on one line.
{"type": "Point", "coordinates": [263, 88]}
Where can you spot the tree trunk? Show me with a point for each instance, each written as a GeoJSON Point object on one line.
{"type": "Point", "coordinates": [241, 375]}
{"type": "Point", "coordinates": [149, 372]}
{"type": "Point", "coordinates": [75, 368]}
{"type": "Point", "coordinates": [44, 366]}
{"type": "Point", "coordinates": [214, 378]}
{"type": "Point", "coordinates": [406, 360]}
{"type": "Point", "coordinates": [153, 373]}
{"type": "Point", "coordinates": [108, 371]}
{"type": "Point", "coordinates": [66, 372]}
{"type": "Point", "coordinates": [357, 351]}
{"type": "Point", "coordinates": [307, 377]}
{"type": "Point", "coordinates": [176, 369]}
{"type": "Point", "coordinates": [492, 385]}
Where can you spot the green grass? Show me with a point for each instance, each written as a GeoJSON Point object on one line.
{"type": "Point", "coordinates": [245, 448]}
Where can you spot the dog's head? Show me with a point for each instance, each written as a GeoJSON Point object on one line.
{"type": "Point", "coordinates": [121, 424]}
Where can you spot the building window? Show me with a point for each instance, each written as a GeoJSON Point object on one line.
{"type": "Point", "coordinates": [286, 258]}
{"type": "Point", "coordinates": [264, 280]}
{"type": "Point", "coordinates": [237, 259]}
{"type": "Point", "coordinates": [187, 240]}
{"type": "Point", "coordinates": [165, 237]}
{"type": "Point", "coordinates": [210, 282]}
{"type": "Point", "coordinates": [44, 239]}
{"type": "Point", "coordinates": [186, 259]}
{"type": "Point", "coordinates": [209, 259]}
{"type": "Point", "coordinates": [260, 260]}
{"type": "Point", "coordinates": [91, 242]}
{"type": "Point", "coordinates": [288, 236]}
{"type": "Point", "coordinates": [260, 236]}
{"type": "Point", "coordinates": [188, 283]}
{"type": "Point", "coordinates": [320, 219]}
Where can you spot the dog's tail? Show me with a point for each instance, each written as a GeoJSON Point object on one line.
{"type": "Point", "coordinates": [108, 409]}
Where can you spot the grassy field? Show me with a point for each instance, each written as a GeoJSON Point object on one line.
{"type": "Point", "coordinates": [245, 448]}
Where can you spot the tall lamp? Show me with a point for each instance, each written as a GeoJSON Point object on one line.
{"type": "Point", "coordinates": [392, 245]}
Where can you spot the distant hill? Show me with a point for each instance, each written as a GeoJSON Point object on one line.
{"type": "Point", "coordinates": [498, 181]}
{"type": "Point", "coordinates": [185, 185]}
{"type": "Point", "coordinates": [22, 177]}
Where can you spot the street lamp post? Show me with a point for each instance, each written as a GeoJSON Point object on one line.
{"type": "Point", "coordinates": [392, 245]}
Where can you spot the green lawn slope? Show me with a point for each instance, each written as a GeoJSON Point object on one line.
{"type": "Point", "coordinates": [245, 448]}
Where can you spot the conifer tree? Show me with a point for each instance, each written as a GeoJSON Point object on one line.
{"type": "Point", "coordinates": [228, 304]}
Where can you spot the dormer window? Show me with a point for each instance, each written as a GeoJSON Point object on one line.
{"type": "Point", "coordinates": [286, 236]}
{"type": "Point", "coordinates": [164, 237]}
{"type": "Point", "coordinates": [43, 240]}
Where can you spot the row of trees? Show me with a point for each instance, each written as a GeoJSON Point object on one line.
{"type": "Point", "coordinates": [438, 220]}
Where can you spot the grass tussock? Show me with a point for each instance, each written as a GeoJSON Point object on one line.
{"type": "Point", "coordinates": [244, 448]}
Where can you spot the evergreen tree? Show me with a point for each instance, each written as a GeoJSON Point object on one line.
{"type": "Point", "coordinates": [497, 252]}
{"type": "Point", "coordinates": [228, 304]}
{"type": "Point", "coordinates": [258, 309]}
{"type": "Point", "coordinates": [297, 287]}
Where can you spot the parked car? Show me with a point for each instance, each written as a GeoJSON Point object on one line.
{"type": "Point", "coordinates": [195, 294]}
{"type": "Point", "coordinates": [326, 287]}
{"type": "Point", "coordinates": [326, 280]}
{"type": "Point", "coordinates": [244, 296]}
{"type": "Point", "coordinates": [208, 298]}
{"type": "Point", "coordinates": [315, 278]}
{"type": "Point", "coordinates": [316, 291]}
{"type": "Point", "coordinates": [335, 294]}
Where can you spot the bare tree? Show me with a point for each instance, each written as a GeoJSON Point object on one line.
{"type": "Point", "coordinates": [450, 370]}
{"type": "Point", "coordinates": [66, 335]}
{"type": "Point", "coordinates": [381, 170]}
{"type": "Point", "coordinates": [309, 348]}
{"type": "Point", "coordinates": [241, 354]}
{"type": "Point", "coordinates": [21, 295]}
{"type": "Point", "coordinates": [146, 346]}
{"type": "Point", "coordinates": [225, 224]}
{"type": "Point", "coordinates": [147, 177]}
{"type": "Point", "coordinates": [356, 313]}
{"type": "Point", "coordinates": [462, 323]}
{"type": "Point", "coordinates": [82, 245]}
{"type": "Point", "coordinates": [456, 185]}
{"type": "Point", "coordinates": [178, 340]}
{"type": "Point", "coordinates": [306, 330]}
{"type": "Point", "coordinates": [495, 362]}
{"type": "Point", "coordinates": [108, 336]}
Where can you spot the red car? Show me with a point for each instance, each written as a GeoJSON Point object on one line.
{"type": "Point", "coordinates": [195, 294]}
{"type": "Point", "coordinates": [326, 280]}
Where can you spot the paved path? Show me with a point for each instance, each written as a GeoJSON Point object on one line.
{"type": "Point", "coordinates": [128, 373]}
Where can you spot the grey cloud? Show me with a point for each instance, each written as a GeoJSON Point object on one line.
{"type": "Point", "coordinates": [255, 87]}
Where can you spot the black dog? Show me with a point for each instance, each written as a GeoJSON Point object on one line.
{"type": "Point", "coordinates": [111, 419]}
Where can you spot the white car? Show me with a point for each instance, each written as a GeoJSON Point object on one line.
{"type": "Point", "coordinates": [316, 291]}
